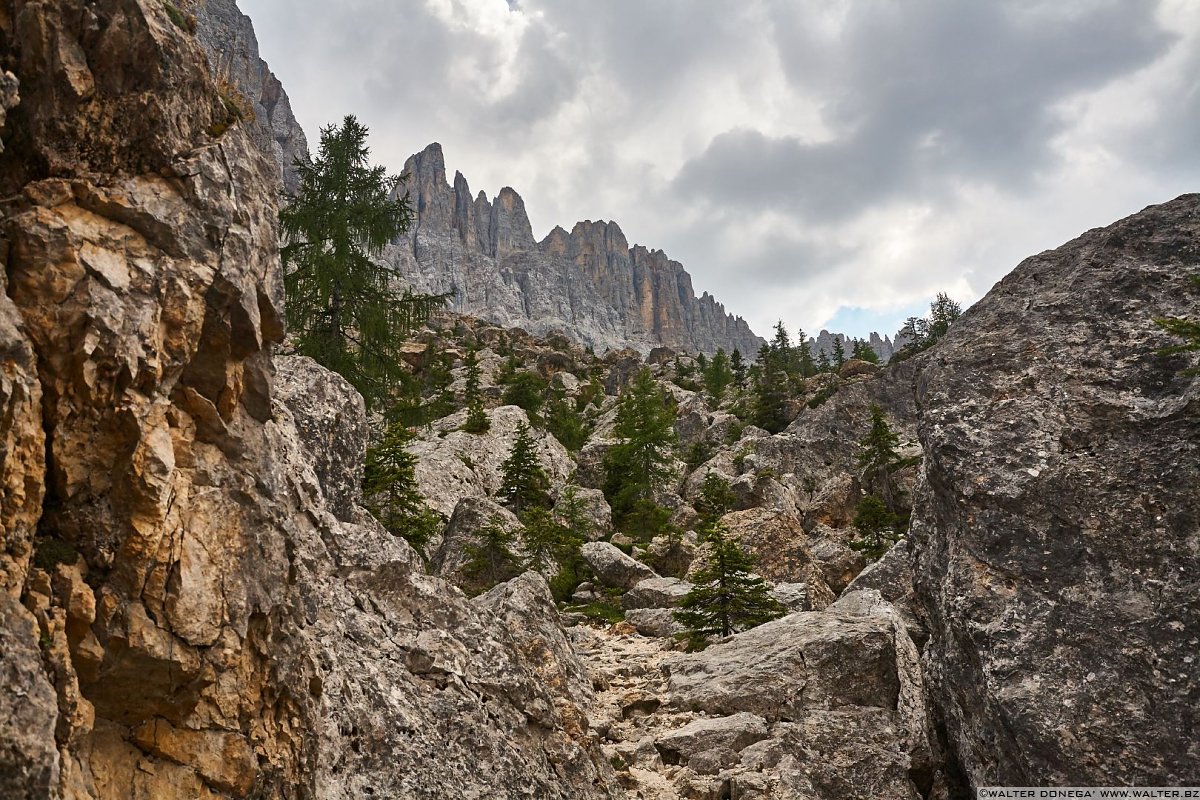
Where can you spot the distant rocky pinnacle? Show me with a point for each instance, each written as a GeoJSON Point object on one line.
{"type": "Point", "coordinates": [228, 40]}
{"type": "Point", "coordinates": [588, 284]}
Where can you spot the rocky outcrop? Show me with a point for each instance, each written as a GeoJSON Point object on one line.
{"type": "Point", "coordinates": [194, 604]}
{"type": "Point", "coordinates": [589, 284]}
{"type": "Point", "coordinates": [453, 464]}
{"type": "Point", "coordinates": [228, 39]}
{"type": "Point", "coordinates": [1055, 525]}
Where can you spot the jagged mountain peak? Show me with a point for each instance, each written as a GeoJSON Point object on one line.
{"type": "Point", "coordinates": [588, 284]}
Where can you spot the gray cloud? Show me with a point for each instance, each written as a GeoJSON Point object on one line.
{"type": "Point", "coordinates": [797, 156]}
{"type": "Point", "coordinates": [923, 95]}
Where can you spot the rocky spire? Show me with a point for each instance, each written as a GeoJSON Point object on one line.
{"type": "Point", "coordinates": [589, 284]}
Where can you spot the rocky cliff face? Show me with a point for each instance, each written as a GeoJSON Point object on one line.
{"type": "Point", "coordinates": [193, 604]}
{"type": "Point", "coordinates": [1056, 543]}
{"type": "Point", "coordinates": [232, 49]}
{"type": "Point", "coordinates": [589, 283]}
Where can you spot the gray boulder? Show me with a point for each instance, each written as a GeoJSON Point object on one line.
{"type": "Point", "coordinates": [1054, 529]}
{"type": "Point", "coordinates": [732, 733]}
{"type": "Point", "coordinates": [655, 622]}
{"type": "Point", "coordinates": [614, 568]}
{"type": "Point", "coordinates": [469, 517]}
{"type": "Point", "coordinates": [656, 593]}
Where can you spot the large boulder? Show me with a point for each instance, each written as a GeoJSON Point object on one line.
{"type": "Point", "coordinates": [452, 464]}
{"type": "Point", "coordinates": [656, 593]}
{"type": "Point", "coordinates": [1055, 526]}
{"type": "Point", "coordinates": [891, 576]}
{"type": "Point", "coordinates": [777, 543]}
{"type": "Point", "coordinates": [732, 733]}
{"type": "Point", "coordinates": [470, 516]}
{"type": "Point", "coordinates": [841, 692]}
{"type": "Point", "coordinates": [614, 568]}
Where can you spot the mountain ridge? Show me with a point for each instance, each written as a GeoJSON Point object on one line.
{"type": "Point", "coordinates": [589, 283]}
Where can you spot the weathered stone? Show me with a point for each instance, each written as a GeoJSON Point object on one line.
{"type": "Point", "coordinates": [777, 543]}
{"type": "Point", "coordinates": [1054, 528]}
{"type": "Point", "coordinates": [614, 568]}
{"type": "Point", "coordinates": [658, 622]}
{"type": "Point", "coordinates": [792, 596]}
{"type": "Point", "coordinates": [471, 515]}
{"type": "Point", "coordinates": [232, 48]}
{"type": "Point", "coordinates": [29, 766]}
{"type": "Point", "coordinates": [731, 733]}
{"type": "Point", "coordinates": [452, 464]}
{"type": "Point", "coordinates": [891, 576]}
{"type": "Point", "coordinates": [656, 593]}
{"type": "Point", "coordinates": [839, 564]}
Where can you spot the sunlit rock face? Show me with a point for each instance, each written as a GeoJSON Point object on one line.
{"type": "Point", "coordinates": [589, 284]}
{"type": "Point", "coordinates": [194, 605]}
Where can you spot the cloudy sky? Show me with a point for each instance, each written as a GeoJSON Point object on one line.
{"type": "Point", "coordinates": [831, 163]}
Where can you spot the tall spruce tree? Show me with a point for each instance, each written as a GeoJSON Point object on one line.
{"type": "Point", "coordinates": [725, 596]}
{"type": "Point", "coordinates": [769, 403]}
{"type": "Point", "coordinates": [839, 352]}
{"type": "Point", "coordinates": [737, 365]}
{"type": "Point", "coordinates": [641, 462]}
{"type": "Point", "coordinates": [390, 490]}
{"type": "Point", "coordinates": [718, 376]}
{"type": "Point", "coordinates": [477, 420]}
{"type": "Point", "coordinates": [342, 307]}
{"type": "Point", "coordinates": [877, 457]}
{"type": "Point", "coordinates": [523, 483]}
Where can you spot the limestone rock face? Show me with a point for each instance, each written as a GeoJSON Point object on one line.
{"type": "Point", "coordinates": [209, 614]}
{"type": "Point", "coordinates": [1054, 527]}
{"type": "Point", "coordinates": [228, 39]}
{"type": "Point", "coordinates": [588, 284]}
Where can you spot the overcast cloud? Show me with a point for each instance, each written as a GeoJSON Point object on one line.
{"type": "Point", "coordinates": [831, 164]}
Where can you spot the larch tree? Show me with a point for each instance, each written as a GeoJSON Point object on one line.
{"type": "Point", "coordinates": [342, 305]}
{"type": "Point", "coordinates": [641, 462]}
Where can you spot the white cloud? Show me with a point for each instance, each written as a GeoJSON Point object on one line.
{"type": "Point", "coordinates": [798, 157]}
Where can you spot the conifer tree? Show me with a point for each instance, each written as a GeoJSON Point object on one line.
{"type": "Point", "coordinates": [839, 352]}
{"type": "Point", "coordinates": [923, 333]}
{"type": "Point", "coordinates": [716, 499]}
{"type": "Point", "coordinates": [877, 457]}
{"type": "Point", "coordinates": [726, 597]}
{"type": "Point", "coordinates": [876, 527]}
{"type": "Point", "coordinates": [341, 306]}
{"type": "Point", "coordinates": [477, 420]}
{"type": "Point", "coordinates": [490, 558]}
{"type": "Point", "coordinates": [864, 352]}
{"type": "Point", "coordinates": [804, 359]}
{"type": "Point", "coordinates": [564, 421]}
{"type": "Point", "coordinates": [390, 490]}
{"type": "Point", "coordinates": [823, 364]}
{"type": "Point", "coordinates": [718, 376]}
{"type": "Point", "coordinates": [641, 462]}
{"type": "Point", "coordinates": [769, 404]}
{"type": "Point", "coordinates": [524, 483]}
{"type": "Point", "coordinates": [737, 365]}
